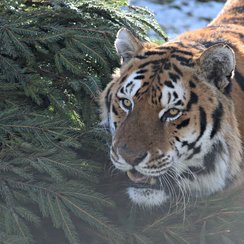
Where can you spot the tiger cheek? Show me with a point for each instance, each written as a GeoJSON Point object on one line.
{"type": "Point", "coordinates": [117, 118]}
{"type": "Point", "coordinates": [184, 130]}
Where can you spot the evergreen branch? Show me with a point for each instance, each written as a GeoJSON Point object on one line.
{"type": "Point", "coordinates": [53, 212]}
{"type": "Point", "coordinates": [89, 37]}
{"type": "Point", "coordinates": [89, 88]}
{"type": "Point", "coordinates": [28, 215]}
{"type": "Point", "coordinates": [158, 222]}
{"type": "Point", "coordinates": [178, 237]}
{"type": "Point", "coordinates": [72, 203]}
{"type": "Point", "coordinates": [32, 127]}
{"type": "Point", "coordinates": [24, 32]}
{"type": "Point", "coordinates": [92, 52]}
{"type": "Point", "coordinates": [55, 59]}
{"type": "Point", "coordinates": [70, 170]}
{"type": "Point", "coordinates": [94, 198]}
{"type": "Point", "coordinates": [92, 218]}
{"type": "Point", "coordinates": [19, 226]}
{"type": "Point", "coordinates": [21, 46]}
{"type": "Point", "coordinates": [61, 60]}
{"type": "Point", "coordinates": [11, 239]}
{"type": "Point", "coordinates": [141, 240]}
{"type": "Point", "coordinates": [70, 234]}
{"type": "Point", "coordinates": [51, 37]}
{"type": "Point", "coordinates": [8, 65]}
{"type": "Point", "coordinates": [89, 30]}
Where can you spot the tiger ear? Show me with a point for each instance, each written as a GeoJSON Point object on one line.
{"type": "Point", "coordinates": [126, 44]}
{"type": "Point", "coordinates": [216, 65]}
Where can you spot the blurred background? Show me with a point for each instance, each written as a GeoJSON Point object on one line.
{"type": "Point", "coordinates": [178, 16]}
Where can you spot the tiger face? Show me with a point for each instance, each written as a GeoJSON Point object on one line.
{"type": "Point", "coordinates": [172, 119]}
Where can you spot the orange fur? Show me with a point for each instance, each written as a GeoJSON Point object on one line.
{"type": "Point", "coordinates": [212, 109]}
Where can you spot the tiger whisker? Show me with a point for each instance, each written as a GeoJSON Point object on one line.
{"type": "Point", "coordinates": [169, 188]}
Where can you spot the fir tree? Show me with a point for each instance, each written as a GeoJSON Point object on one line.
{"type": "Point", "coordinates": [55, 57]}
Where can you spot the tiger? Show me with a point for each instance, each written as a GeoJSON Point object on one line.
{"type": "Point", "coordinates": [176, 111]}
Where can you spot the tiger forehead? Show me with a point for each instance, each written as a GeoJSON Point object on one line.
{"type": "Point", "coordinates": [151, 65]}
{"type": "Point", "coordinates": [161, 86]}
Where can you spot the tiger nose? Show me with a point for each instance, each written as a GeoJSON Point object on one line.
{"type": "Point", "coordinates": [130, 156]}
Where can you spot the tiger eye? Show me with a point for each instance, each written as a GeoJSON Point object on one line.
{"type": "Point", "coordinates": [126, 103]}
{"type": "Point", "coordinates": [173, 111]}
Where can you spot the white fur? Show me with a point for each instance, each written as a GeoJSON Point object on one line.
{"type": "Point", "coordinates": [130, 90]}
{"type": "Point", "coordinates": [129, 93]}
{"type": "Point", "coordinates": [178, 88]}
{"type": "Point", "coordinates": [147, 197]}
{"type": "Point", "coordinates": [215, 181]}
{"type": "Point", "coordinates": [120, 163]}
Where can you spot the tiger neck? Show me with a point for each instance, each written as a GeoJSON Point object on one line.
{"type": "Point", "coordinates": [214, 173]}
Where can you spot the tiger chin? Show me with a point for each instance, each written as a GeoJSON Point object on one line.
{"type": "Point", "coordinates": [176, 111]}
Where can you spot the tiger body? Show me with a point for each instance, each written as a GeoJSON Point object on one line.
{"type": "Point", "coordinates": [176, 111]}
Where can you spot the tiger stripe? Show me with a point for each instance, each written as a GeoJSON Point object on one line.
{"type": "Point", "coordinates": [185, 124]}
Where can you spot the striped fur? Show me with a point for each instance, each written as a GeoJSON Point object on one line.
{"type": "Point", "coordinates": [175, 111]}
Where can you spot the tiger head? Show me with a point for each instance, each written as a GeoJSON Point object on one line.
{"type": "Point", "coordinates": [171, 117]}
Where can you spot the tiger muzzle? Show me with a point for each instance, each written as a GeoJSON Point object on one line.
{"type": "Point", "coordinates": [139, 178]}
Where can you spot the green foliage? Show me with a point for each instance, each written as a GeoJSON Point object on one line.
{"type": "Point", "coordinates": [38, 168]}
{"type": "Point", "coordinates": [55, 57]}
